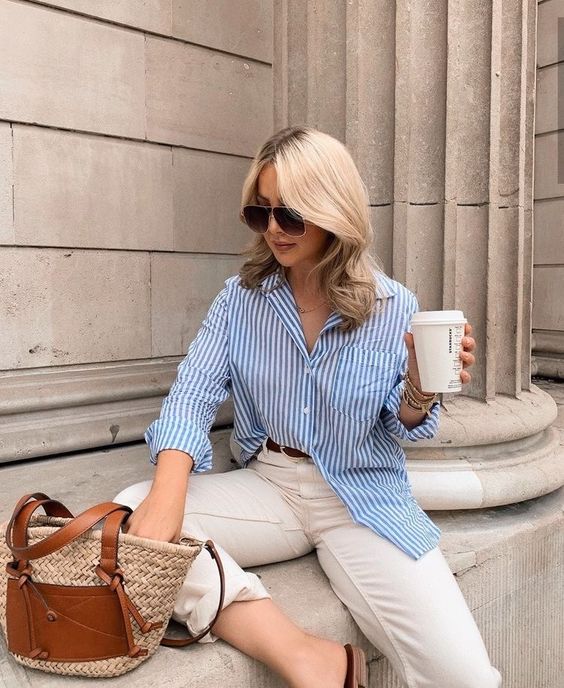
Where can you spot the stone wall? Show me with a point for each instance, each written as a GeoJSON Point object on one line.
{"type": "Point", "coordinates": [126, 130]}
{"type": "Point", "coordinates": [548, 271]}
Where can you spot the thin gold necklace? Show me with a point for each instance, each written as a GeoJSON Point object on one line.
{"type": "Point", "coordinates": [303, 310]}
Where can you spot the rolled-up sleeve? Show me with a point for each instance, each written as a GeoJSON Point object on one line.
{"type": "Point", "coordinates": [202, 384]}
{"type": "Point", "coordinates": [389, 414]}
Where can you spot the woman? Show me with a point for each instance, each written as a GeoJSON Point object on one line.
{"type": "Point", "coordinates": [311, 340]}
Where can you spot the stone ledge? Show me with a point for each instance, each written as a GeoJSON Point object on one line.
{"type": "Point", "coordinates": [49, 411]}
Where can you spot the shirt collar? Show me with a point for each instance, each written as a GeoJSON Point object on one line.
{"type": "Point", "coordinates": [386, 286]}
{"type": "Point", "coordinates": [270, 281]}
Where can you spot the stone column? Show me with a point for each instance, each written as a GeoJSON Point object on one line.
{"type": "Point", "coordinates": [435, 102]}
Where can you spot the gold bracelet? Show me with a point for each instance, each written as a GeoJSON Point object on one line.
{"type": "Point", "coordinates": [416, 406]}
{"type": "Point", "coordinates": [423, 403]}
{"type": "Point", "coordinates": [417, 393]}
{"type": "Point", "coordinates": [417, 403]}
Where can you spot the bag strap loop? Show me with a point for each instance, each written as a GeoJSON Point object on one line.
{"type": "Point", "coordinates": [181, 642]}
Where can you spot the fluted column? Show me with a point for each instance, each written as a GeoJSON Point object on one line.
{"type": "Point", "coordinates": [435, 102]}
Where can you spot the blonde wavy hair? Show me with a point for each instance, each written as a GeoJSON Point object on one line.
{"type": "Point", "coordinates": [317, 176]}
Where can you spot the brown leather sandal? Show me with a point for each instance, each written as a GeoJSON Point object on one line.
{"type": "Point", "coordinates": [357, 674]}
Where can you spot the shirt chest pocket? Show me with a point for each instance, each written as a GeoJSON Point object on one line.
{"type": "Point", "coordinates": [363, 378]}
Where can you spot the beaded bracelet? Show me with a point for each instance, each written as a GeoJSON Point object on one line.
{"type": "Point", "coordinates": [416, 399]}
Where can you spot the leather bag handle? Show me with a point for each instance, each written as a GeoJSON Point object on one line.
{"type": "Point", "coordinates": [52, 507]}
{"type": "Point", "coordinates": [181, 642]}
{"type": "Point", "coordinates": [15, 531]}
{"type": "Point", "coordinates": [110, 541]}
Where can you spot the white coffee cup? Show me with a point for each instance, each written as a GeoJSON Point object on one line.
{"type": "Point", "coordinates": [437, 336]}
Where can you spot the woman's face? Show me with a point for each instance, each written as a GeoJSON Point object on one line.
{"type": "Point", "coordinates": [305, 251]}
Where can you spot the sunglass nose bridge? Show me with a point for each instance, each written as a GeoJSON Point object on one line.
{"type": "Point", "coordinates": [271, 216]}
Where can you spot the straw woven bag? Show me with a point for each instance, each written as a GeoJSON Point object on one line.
{"type": "Point", "coordinates": [69, 611]}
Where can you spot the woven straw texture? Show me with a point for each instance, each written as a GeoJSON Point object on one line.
{"type": "Point", "coordinates": [154, 573]}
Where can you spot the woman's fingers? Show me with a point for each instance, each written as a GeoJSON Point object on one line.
{"type": "Point", "coordinates": [468, 359]}
{"type": "Point", "coordinates": [468, 342]}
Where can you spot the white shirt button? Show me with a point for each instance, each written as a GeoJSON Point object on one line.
{"type": "Point", "coordinates": [307, 370]}
{"type": "Point", "coordinates": [306, 409]}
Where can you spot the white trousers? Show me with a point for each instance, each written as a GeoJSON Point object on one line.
{"type": "Point", "coordinates": [279, 508]}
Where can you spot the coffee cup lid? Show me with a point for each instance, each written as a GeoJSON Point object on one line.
{"type": "Point", "coordinates": [438, 317]}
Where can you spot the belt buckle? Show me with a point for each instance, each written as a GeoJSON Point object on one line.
{"type": "Point", "coordinates": [292, 458]}
{"type": "Point", "coordinates": [295, 459]}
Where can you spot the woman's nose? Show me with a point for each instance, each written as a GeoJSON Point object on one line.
{"type": "Point", "coordinates": [273, 227]}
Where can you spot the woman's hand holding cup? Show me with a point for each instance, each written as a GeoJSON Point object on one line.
{"type": "Point", "coordinates": [468, 344]}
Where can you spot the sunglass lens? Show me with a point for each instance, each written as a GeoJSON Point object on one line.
{"type": "Point", "coordinates": [256, 217]}
{"type": "Point", "coordinates": [290, 221]}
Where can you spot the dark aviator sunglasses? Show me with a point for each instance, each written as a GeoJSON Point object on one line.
{"type": "Point", "coordinates": [257, 218]}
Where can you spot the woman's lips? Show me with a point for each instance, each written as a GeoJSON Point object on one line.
{"type": "Point", "coordinates": [284, 247]}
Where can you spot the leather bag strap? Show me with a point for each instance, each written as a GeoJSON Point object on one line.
{"type": "Point", "coordinates": [110, 541]}
{"type": "Point", "coordinates": [15, 531]}
{"type": "Point", "coordinates": [181, 642]}
{"type": "Point", "coordinates": [52, 507]}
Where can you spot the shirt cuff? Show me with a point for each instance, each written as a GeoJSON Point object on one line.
{"type": "Point", "coordinates": [181, 434]}
{"type": "Point", "coordinates": [426, 430]}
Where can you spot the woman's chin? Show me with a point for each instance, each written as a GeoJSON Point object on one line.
{"type": "Point", "coordinates": [283, 259]}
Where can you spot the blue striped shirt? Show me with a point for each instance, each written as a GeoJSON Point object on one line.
{"type": "Point", "coordinates": [339, 404]}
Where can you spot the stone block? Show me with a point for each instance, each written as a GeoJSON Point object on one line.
{"type": "Point", "coordinates": [466, 274]}
{"type": "Point", "coordinates": [510, 113]}
{"type": "Point", "coordinates": [207, 201]}
{"type": "Point", "coordinates": [183, 288]}
{"type": "Point", "coordinates": [154, 15]}
{"type": "Point", "coordinates": [242, 28]}
{"type": "Point", "coordinates": [291, 94]}
{"type": "Point", "coordinates": [549, 231]}
{"type": "Point", "coordinates": [528, 137]}
{"type": "Point", "coordinates": [549, 179]}
{"type": "Point", "coordinates": [185, 83]}
{"type": "Point", "coordinates": [59, 307]}
{"type": "Point", "coordinates": [549, 50]}
{"type": "Point", "coordinates": [68, 71]}
{"type": "Point", "coordinates": [371, 95]}
{"type": "Point", "coordinates": [420, 89]}
{"type": "Point", "coordinates": [382, 219]}
{"type": "Point", "coordinates": [52, 410]}
{"type": "Point", "coordinates": [311, 65]}
{"type": "Point", "coordinates": [548, 312]}
{"type": "Point", "coordinates": [468, 107]}
{"type": "Point", "coordinates": [546, 114]}
{"type": "Point", "coordinates": [504, 251]}
{"type": "Point", "coordinates": [6, 185]}
{"type": "Point", "coordinates": [91, 191]}
{"type": "Point", "coordinates": [424, 227]}
{"type": "Point", "coordinates": [325, 65]}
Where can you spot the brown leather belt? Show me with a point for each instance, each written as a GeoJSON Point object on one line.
{"type": "Point", "coordinates": [295, 453]}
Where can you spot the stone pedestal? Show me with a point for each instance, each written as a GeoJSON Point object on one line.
{"type": "Point", "coordinates": [488, 453]}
